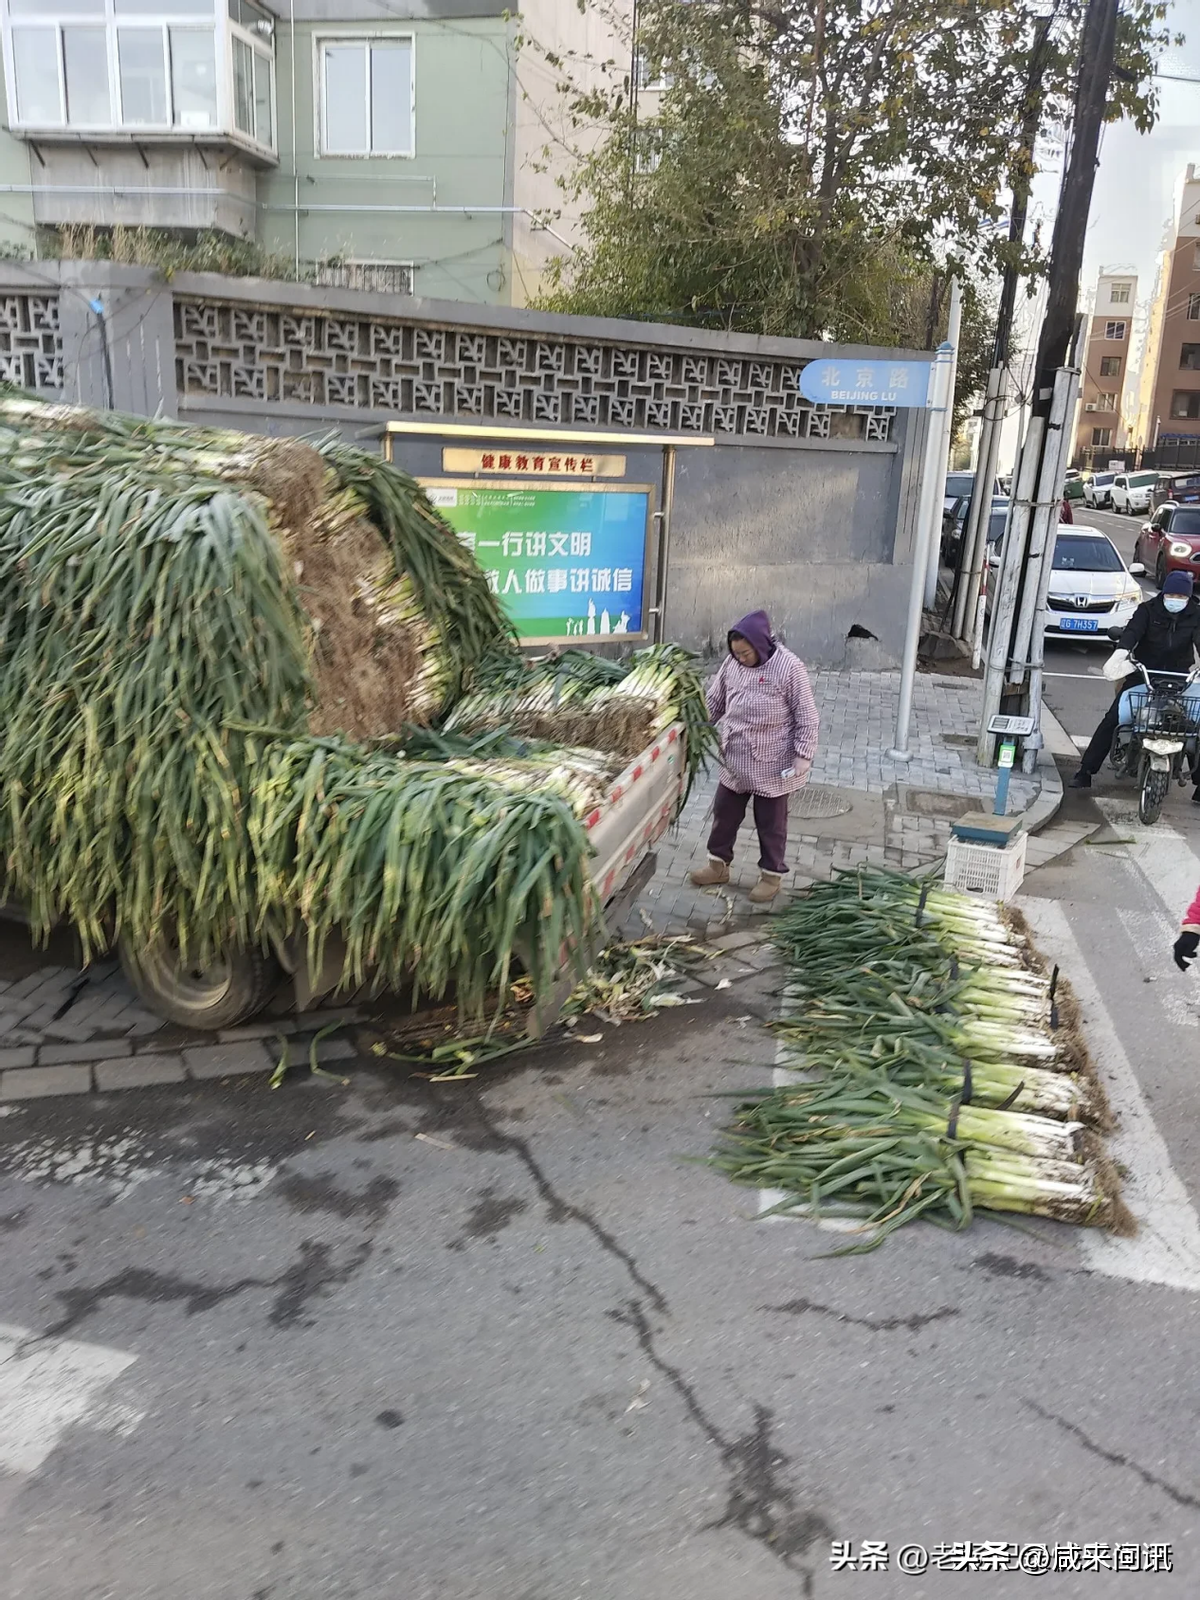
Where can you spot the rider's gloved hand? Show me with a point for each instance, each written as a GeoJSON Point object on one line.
{"type": "Point", "coordinates": [1186, 946]}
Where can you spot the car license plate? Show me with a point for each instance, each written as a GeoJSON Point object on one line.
{"type": "Point", "coordinates": [1079, 624]}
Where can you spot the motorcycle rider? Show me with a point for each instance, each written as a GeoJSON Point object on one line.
{"type": "Point", "coordinates": [1163, 635]}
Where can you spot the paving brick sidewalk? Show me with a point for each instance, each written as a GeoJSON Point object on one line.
{"type": "Point", "coordinates": [68, 1032]}
{"type": "Point", "coordinates": [860, 804]}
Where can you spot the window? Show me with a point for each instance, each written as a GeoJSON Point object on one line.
{"type": "Point", "coordinates": [193, 79]}
{"type": "Point", "coordinates": [1101, 436]}
{"type": "Point", "coordinates": [1082, 552]}
{"type": "Point", "coordinates": [1189, 357]}
{"type": "Point", "coordinates": [142, 65]}
{"type": "Point", "coordinates": [1193, 309]}
{"type": "Point", "coordinates": [1106, 402]}
{"type": "Point", "coordinates": [1114, 330]}
{"type": "Point", "coordinates": [647, 77]}
{"type": "Point", "coordinates": [647, 151]}
{"type": "Point", "coordinates": [1196, 258]}
{"type": "Point", "coordinates": [1118, 294]}
{"type": "Point", "coordinates": [1185, 403]}
{"type": "Point", "coordinates": [367, 97]}
{"type": "Point", "coordinates": [1184, 521]}
{"type": "Point", "coordinates": [1110, 366]}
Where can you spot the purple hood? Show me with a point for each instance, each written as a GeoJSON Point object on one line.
{"type": "Point", "coordinates": [756, 629]}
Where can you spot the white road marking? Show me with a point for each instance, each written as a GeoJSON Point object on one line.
{"type": "Point", "coordinates": [1162, 855]}
{"type": "Point", "coordinates": [49, 1385]}
{"type": "Point", "coordinates": [788, 1064]}
{"type": "Point", "coordinates": [1166, 1248]}
{"type": "Point", "coordinates": [1152, 933]}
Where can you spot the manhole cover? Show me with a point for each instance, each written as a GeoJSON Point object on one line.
{"type": "Point", "coordinates": [815, 802]}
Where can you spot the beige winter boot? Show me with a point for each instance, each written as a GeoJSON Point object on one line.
{"type": "Point", "coordinates": [765, 890]}
{"type": "Point", "coordinates": [707, 877]}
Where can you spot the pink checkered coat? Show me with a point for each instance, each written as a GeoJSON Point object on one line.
{"type": "Point", "coordinates": [768, 722]}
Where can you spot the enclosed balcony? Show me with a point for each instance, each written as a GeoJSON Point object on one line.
{"type": "Point", "coordinates": [155, 112]}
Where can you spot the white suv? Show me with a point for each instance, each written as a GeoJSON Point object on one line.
{"type": "Point", "coordinates": [1131, 491]}
{"type": "Point", "coordinates": [1097, 491]}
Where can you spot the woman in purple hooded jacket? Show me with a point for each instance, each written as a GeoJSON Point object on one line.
{"type": "Point", "coordinates": [763, 703]}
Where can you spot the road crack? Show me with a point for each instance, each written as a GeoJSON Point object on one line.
{"type": "Point", "coordinates": [913, 1324]}
{"type": "Point", "coordinates": [1113, 1458]}
{"type": "Point", "coordinates": [760, 1504]}
{"type": "Point", "coordinates": [312, 1274]}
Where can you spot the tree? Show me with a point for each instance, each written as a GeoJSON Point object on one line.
{"type": "Point", "coordinates": [811, 164]}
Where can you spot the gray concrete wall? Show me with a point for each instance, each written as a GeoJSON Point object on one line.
{"type": "Point", "coordinates": [816, 530]}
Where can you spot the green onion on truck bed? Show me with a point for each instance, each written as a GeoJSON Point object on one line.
{"type": "Point", "coordinates": [212, 649]}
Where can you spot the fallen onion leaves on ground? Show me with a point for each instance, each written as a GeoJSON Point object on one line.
{"type": "Point", "coordinates": [938, 1070]}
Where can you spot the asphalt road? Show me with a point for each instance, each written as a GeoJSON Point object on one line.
{"type": "Point", "coordinates": [1076, 690]}
{"type": "Point", "coordinates": [497, 1341]}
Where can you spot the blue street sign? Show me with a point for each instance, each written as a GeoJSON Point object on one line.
{"type": "Point", "coordinates": [867, 383]}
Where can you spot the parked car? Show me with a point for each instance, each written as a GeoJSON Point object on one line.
{"type": "Point", "coordinates": [960, 486]}
{"type": "Point", "coordinates": [955, 521]}
{"type": "Point", "coordinates": [1131, 491]}
{"type": "Point", "coordinates": [1175, 488]}
{"type": "Point", "coordinates": [1170, 542]}
{"type": "Point", "coordinates": [1091, 588]}
{"type": "Point", "coordinates": [1097, 491]}
{"type": "Point", "coordinates": [1073, 484]}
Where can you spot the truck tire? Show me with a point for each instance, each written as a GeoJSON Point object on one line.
{"type": "Point", "coordinates": [219, 996]}
{"type": "Point", "coordinates": [1154, 792]}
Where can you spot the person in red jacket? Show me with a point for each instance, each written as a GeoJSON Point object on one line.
{"type": "Point", "coordinates": [1188, 941]}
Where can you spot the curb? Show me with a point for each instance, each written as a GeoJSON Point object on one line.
{"type": "Point", "coordinates": [1045, 808]}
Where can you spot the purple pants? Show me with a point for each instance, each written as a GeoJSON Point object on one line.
{"type": "Point", "coordinates": [770, 818]}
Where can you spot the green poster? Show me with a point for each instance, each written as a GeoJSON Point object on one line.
{"type": "Point", "coordinates": [567, 563]}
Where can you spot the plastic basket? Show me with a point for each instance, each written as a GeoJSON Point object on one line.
{"type": "Point", "coordinates": [986, 869]}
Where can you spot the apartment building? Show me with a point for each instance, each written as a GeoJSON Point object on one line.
{"type": "Point", "coordinates": [1169, 394]}
{"type": "Point", "coordinates": [1100, 425]}
{"type": "Point", "coordinates": [391, 144]}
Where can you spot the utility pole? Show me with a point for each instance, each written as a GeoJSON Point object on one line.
{"type": "Point", "coordinates": [968, 579]}
{"type": "Point", "coordinates": [1029, 542]}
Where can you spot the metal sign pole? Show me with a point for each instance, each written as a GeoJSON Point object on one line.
{"type": "Point", "coordinates": [928, 519]}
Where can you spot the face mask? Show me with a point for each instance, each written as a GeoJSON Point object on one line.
{"type": "Point", "coordinates": [1174, 602]}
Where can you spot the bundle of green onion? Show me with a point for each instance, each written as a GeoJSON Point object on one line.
{"type": "Point", "coordinates": [938, 1069]}
{"type": "Point", "coordinates": [581, 700]}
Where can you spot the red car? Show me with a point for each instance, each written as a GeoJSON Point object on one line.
{"type": "Point", "coordinates": [1170, 542]}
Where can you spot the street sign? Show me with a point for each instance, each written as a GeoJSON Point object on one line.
{"type": "Point", "coordinates": [867, 383]}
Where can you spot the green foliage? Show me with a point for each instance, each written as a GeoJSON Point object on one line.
{"type": "Point", "coordinates": [812, 163]}
{"type": "Point", "coordinates": [167, 251]}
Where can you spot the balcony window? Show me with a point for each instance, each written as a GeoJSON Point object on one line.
{"type": "Point", "coordinates": [366, 97]}
{"type": "Point", "coordinates": [193, 79]}
{"type": "Point", "coordinates": [1118, 294]}
{"type": "Point", "coordinates": [141, 66]}
{"type": "Point", "coordinates": [1106, 402]}
{"type": "Point", "coordinates": [1114, 330]}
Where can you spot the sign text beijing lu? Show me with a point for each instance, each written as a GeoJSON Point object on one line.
{"type": "Point", "coordinates": [866, 383]}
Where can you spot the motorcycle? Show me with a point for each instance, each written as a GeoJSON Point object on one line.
{"type": "Point", "coordinates": [1158, 736]}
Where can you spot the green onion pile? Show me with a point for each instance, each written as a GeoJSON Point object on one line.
{"type": "Point", "coordinates": [211, 646]}
{"type": "Point", "coordinates": [936, 1069]}
{"type": "Point", "coordinates": [579, 699]}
